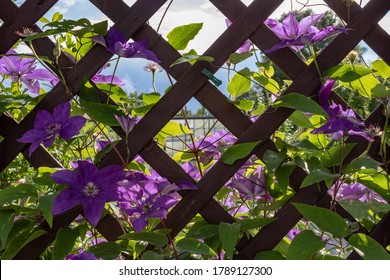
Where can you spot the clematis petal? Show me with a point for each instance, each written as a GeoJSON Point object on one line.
{"type": "Point", "coordinates": [67, 177]}
{"type": "Point", "coordinates": [277, 28]}
{"type": "Point", "coordinates": [65, 201]}
{"type": "Point", "coordinates": [41, 74]}
{"type": "Point", "coordinates": [290, 25]}
{"type": "Point", "coordinates": [147, 54]}
{"type": "Point", "coordinates": [324, 93]}
{"type": "Point", "coordinates": [306, 23]}
{"type": "Point", "coordinates": [139, 223]}
{"type": "Point", "coordinates": [108, 79]}
{"type": "Point", "coordinates": [280, 45]}
{"type": "Point", "coordinates": [61, 112]}
{"type": "Point", "coordinates": [49, 140]}
{"type": "Point", "coordinates": [43, 120]}
{"type": "Point", "coordinates": [93, 209]}
{"type": "Point", "coordinates": [87, 171]}
{"type": "Point", "coordinates": [329, 31]}
{"type": "Point", "coordinates": [32, 85]}
{"type": "Point", "coordinates": [72, 127]}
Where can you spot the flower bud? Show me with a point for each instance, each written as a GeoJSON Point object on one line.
{"type": "Point", "coordinates": [352, 56]}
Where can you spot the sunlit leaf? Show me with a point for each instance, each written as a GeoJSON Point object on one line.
{"type": "Point", "coordinates": [180, 36]}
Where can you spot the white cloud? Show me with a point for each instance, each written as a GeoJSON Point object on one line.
{"type": "Point", "coordinates": [68, 3]}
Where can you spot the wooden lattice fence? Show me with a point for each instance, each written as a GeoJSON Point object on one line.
{"type": "Point", "coordinates": [191, 82]}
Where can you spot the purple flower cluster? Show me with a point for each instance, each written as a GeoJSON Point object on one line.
{"type": "Point", "coordinates": [341, 122]}
{"type": "Point", "coordinates": [299, 34]}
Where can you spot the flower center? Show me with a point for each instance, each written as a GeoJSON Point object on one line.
{"type": "Point", "coordinates": [90, 189]}
{"type": "Point", "coordinates": [52, 128]}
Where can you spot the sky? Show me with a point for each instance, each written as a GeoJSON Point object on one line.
{"type": "Point", "coordinates": [181, 12]}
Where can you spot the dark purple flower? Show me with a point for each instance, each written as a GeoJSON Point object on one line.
{"type": "Point", "coordinates": [81, 256]}
{"type": "Point", "coordinates": [47, 126]}
{"type": "Point", "coordinates": [116, 43]}
{"type": "Point", "coordinates": [355, 191]}
{"type": "Point", "coordinates": [246, 46]}
{"type": "Point", "coordinates": [88, 186]}
{"type": "Point", "coordinates": [297, 35]}
{"type": "Point", "coordinates": [24, 70]}
{"type": "Point", "coordinates": [101, 144]}
{"type": "Point", "coordinates": [340, 121]}
{"type": "Point", "coordinates": [126, 122]}
{"type": "Point", "coordinates": [143, 201]}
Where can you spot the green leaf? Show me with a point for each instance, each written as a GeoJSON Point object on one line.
{"type": "Point", "coordinates": [236, 58]}
{"type": "Point", "coordinates": [57, 17]}
{"type": "Point", "coordinates": [202, 230]}
{"type": "Point", "coordinates": [273, 159]}
{"type": "Point", "coordinates": [377, 182]}
{"type": "Point", "coordinates": [174, 129]}
{"type": "Point", "coordinates": [106, 250]}
{"type": "Point", "coordinates": [45, 203]}
{"type": "Point", "coordinates": [100, 27]}
{"type": "Point", "coordinates": [367, 247]}
{"type": "Point", "coordinates": [180, 36]}
{"type": "Point", "coordinates": [64, 243]}
{"type": "Point", "coordinates": [333, 156]}
{"type": "Point", "coordinates": [300, 119]}
{"type": "Point", "coordinates": [192, 59]}
{"type": "Point", "coordinates": [6, 223]}
{"type": "Point", "coordinates": [269, 255]}
{"type": "Point", "coordinates": [364, 86]}
{"type": "Point", "coordinates": [269, 84]}
{"type": "Point", "coordinates": [380, 91]}
{"type": "Point", "coordinates": [256, 223]}
{"type": "Point", "coordinates": [194, 246]}
{"type": "Point", "coordinates": [151, 98]}
{"type": "Point", "coordinates": [325, 219]}
{"type": "Point", "coordinates": [156, 238]}
{"type": "Point", "coordinates": [282, 174]}
{"type": "Point", "coordinates": [381, 68]}
{"type": "Point", "coordinates": [228, 234]}
{"type": "Point", "coordinates": [10, 194]}
{"type": "Point", "coordinates": [300, 102]}
{"type": "Point", "coordinates": [238, 151]}
{"type": "Point", "coordinates": [304, 246]}
{"type": "Point", "coordinates": [150, 255]}
{"type": "Point", "coordinates": [240, 83]}
{"type": "Point", "coordinates": [265, 68]}
{"type": "Point", "coordinates": [347, 72]}
{"type": "Point", "coordinates": [102, 113]}
{"type": "Point", "coordinates": [245, 105]}
{"type": "Point", "coordinates": [317, 176]}
{"type": "Point", "coordinates": [358, 164]}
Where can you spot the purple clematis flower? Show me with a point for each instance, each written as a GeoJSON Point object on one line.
{"type": "Point", "coordinates": [107, 79]}
{"type": "Point", "coordinates": [81, 256]}
{"type": "Point", "coordinates": [292, 233]}
{"type": "Point", "coordinates": [47, 126]}
{"type": "Point", "coordinates": [340, 121]}
{"type": "Point", "coordinates": [252, 188]}
{"type": "Point", "coordinates": [297, 35]}
{"type": "Point", "coordinates": [24, 70]}
{"type": "Point", "coordinates": [356, 191]}
{"type": "Point", "coordinates": [127, 122]}
{"type": "Point", "coordinates": [101, 144]}
{"type": "Point", "coordinates": [143, 201]}
{"type": "Point", "coordinates": [246, 46]}
{"type": "Point", "coordinates": [88, 186]}
{"type": "Point", "coordinates": [192, 170]}
{"type": "Point", "coordinates": [116, 43]}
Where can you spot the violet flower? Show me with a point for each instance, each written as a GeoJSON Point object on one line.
{"type": "Point", "coordinates": [292, 233]}
{"type": "Point", "coordinates": [253, 187]}
{"type": "Point", "coordinates": [127, 123]}
{"type": "Point", "coordinates": [191, 170]}
{"type": "Point", "coordinates": [297, 35]}
{"type": "Point", "coordinates": [246, 46]}
{"type": "Point", "coordinates": [101, 144]}
{"type": "Point", "coordinates": [47, 126]}
{"type": "Point", "coordinates": [340, 121]}
{"type": "Point", "coordinates": [143, 201]}
{"type": "Point", "coordinates": [24, 70]}
{"type": "Point", "coordinates": [116, 43]}
{"type": "Point", "coordinates": [88, 186]}
{"type": "Point", "coordinates": [81, 256]}
{"type": "Point", "coordinates": [107, 79]}
{"type": "Point", "coordinates": [356, 191]}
